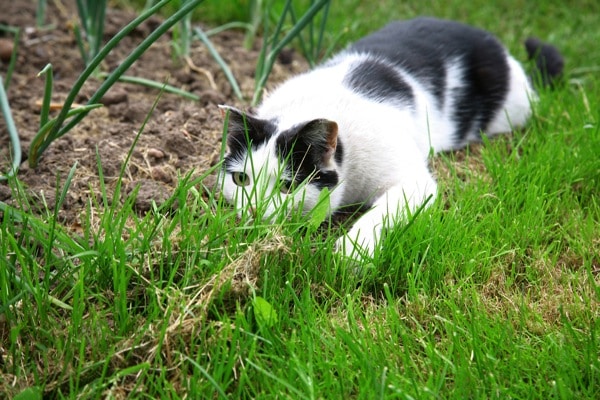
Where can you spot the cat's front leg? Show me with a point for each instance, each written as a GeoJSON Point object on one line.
{"type": "Point", "coordinates": [392, 208]}
{"type": "Point", "coordinates": [361, 240]}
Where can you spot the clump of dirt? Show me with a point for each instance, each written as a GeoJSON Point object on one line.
{"type": "Point", "coordinates": [181, 135]}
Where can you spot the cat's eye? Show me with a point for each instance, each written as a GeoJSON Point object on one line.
{"type": "Point", "coordinates": [287, 186]}
{"type": "Point", "coordinates": [240, 178]}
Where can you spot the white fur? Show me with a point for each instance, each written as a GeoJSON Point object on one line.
{"type": "Point", "coordinates": [517, 107]}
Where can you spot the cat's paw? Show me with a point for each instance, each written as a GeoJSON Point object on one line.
{"type": "Point", "coordinates": [359, 243]}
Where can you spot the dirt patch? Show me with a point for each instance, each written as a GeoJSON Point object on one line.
{"type": "Point", "coordinates": [181, 136]}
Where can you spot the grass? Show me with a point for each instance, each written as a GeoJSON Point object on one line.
{"type": "Point", "coordinates": [493, 292]}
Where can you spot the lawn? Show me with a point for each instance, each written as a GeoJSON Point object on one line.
{"type": "Point", "coordinates": [492, 292]}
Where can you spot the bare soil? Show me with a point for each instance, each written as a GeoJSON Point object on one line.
{"type": "Point", "coordinates": [182, 136]}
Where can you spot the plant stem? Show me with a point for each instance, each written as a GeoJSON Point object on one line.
{"type": "Point", "coordinates": [12, 133]}
{"type": "Point", "coordinates": [226, 70]}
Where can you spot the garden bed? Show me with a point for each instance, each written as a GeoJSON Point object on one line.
{"type": "Point", "coordinates": [182, 135]}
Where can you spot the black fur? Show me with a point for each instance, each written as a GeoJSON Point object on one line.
{"type": "Point", "coordinates": [424, 46]}
{"type": "Point", "coordinates": [245, 130]}
{"type": "Point", "coordinates": [400, 44]}
{"type": "Point", "coordinates": [301, 149]}
{"type": "Point", "coordinates": [377, 80]}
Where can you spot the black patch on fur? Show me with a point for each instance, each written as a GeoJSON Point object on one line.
{"type": "Point", "coordinates": [301, 148]}
{"type": "Point", "coordinates": [486, 79]}
{"type": "Point", "coordinates": [424, 46]}
{"type": "Point", "coordinates": [378, 81]}
{"type": "Point", "coordinates": [406, 44]}
{"type": "Point", "coordinates": [246, 132]}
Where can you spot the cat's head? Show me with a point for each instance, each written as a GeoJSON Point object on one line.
{"type": "Point", "coordinates": [268, 170]}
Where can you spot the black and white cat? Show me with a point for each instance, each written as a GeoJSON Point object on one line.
{"type": "Point", "coordinates": [363, 123]}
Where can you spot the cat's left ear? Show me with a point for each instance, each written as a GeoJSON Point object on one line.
{"type": "Point", "coordinates": [322, 133]}
{"type": "Point", "coordinates": [243, 127]}
{"type": "Point", "coordinates": [237, 118]}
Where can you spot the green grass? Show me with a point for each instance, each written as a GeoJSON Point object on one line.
{"type": "Point", "coordinates": [493, 292]}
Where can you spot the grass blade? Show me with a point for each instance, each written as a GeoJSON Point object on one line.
{"type": "Point", "coordinates": [229, 25]}
{"type": "Point", "coordinates": [207, 376]}
{"type": "Point", "coordinates": [40, 13]}
{"type": "Point", "coordinates": [155, 85]}
{"type": "Point", "coordinates": [226, 70]}
{"type": "Point", "coordinates": [47, 94]}
{"type": "Point", "coordinates": [13, 56]}
{"type": "Point", "coordinates": [12, 133]}
{"type": "Point", "coordinates": [60, 198]}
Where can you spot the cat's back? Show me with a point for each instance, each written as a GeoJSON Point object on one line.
{"type": "Point", "coordinates": [318, 93]}
{"type": "Point", "coordinates": [451, 80]}
{"type": "Point", "coordinates": [427, 47]}
{"type": "Point", "coordinates": [418, 43]}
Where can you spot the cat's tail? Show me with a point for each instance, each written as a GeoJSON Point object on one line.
{"type": "Point", "coordinates": [549, 63]}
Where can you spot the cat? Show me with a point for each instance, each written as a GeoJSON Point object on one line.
{"type": "Point", "coordinates": [364, 123]}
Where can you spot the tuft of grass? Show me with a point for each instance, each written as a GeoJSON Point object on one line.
{"type": "Point", "coordinates": [312, 46]}
{"type": "Point", "coordinates": [91, 15]}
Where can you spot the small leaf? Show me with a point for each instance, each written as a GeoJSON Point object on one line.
{"type": "Point", "coordinates": [31, 393]}
{"type": "Point", "coordinates": [321, 210]}
{"type": "Point", "coordinates": [264, 312]}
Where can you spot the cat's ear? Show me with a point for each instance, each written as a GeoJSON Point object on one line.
{"type": "Point", "coordinates": [237, 119]}
{"type": "Point", "coordinates": [322, 135]}
{"type": "Point", "coordinates": [244, 125]}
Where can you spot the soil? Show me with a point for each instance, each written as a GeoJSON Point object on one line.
{"type": "Point", "coordinates": [182, 135]}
